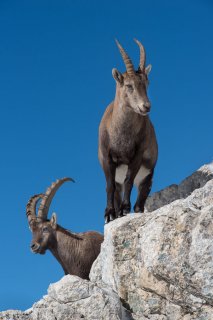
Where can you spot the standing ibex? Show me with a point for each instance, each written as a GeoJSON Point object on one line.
{"type": "Point", "coordinates": [127, 142]}
{"type": "Point", "coordinates": [75, 252]}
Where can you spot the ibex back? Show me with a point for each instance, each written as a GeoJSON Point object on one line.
{"type": "Point", "coordinates": [75, 252]}
{"type": "Point", "coordinates": [127, 142]}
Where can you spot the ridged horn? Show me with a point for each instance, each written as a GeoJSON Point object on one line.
{"type": "Point", "coordinates": [48, 196]}
{"type": "Point", "coordinates": [128, 63]}
{"type": "Point", "coordinates": [142, 56]}
{"type": "Point", "coordinates": [31, 207]}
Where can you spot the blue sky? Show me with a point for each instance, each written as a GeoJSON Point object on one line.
{"type": "Point", "coordinates": [56, 59]}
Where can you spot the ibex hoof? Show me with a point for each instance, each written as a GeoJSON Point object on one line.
{"type": "Point", "coordinates": [138, 209]}
{"type": "Point", "coordinates": [109, 215]}
{"type": "Point", "coordinates": [120, 214]}
{"type": "Point", "coordinates": [124, 210]}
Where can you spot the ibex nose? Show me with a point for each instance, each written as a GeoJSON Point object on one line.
{"type": "Point", "coordinates": [34, 246]}
{"type": "Point", "coordinates": [147, 106]}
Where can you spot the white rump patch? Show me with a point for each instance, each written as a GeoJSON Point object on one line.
{"type": "Point", "coordinates": [121, 172]}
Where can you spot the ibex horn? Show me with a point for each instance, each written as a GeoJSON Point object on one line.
{"type": "Point", "coordinates": [142, 56]}
{"type": "Point", "coordinates": [31, 207]}
{"type": "Point", "coordinates": [48, 196]}
{"type": "Point", "coordinates": [126, 59]}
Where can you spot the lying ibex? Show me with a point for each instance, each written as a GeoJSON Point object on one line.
{"type": "Point", "coordinates": [127, 142]}
{"type": "Point", "coordinates": [75, 252]}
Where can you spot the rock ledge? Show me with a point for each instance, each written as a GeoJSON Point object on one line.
{"type": "Point", "coordinates": [157, 265]}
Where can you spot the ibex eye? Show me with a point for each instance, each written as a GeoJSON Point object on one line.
{"type": "Point", "coordinates": [130, 87]}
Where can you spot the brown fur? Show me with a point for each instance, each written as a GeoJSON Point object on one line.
{"type": "Point", "coordinates": [127, 137]}
{"type": "Point", "coordinates": [75, 252]}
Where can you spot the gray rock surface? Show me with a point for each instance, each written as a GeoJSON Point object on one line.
{"type": "Point", "coordinates": [157, 265]}
{"type": "Point", "coordinates": [75, 299]}
{"type": "Point", "coordinates": [161, 263]}
{"type": "Point", "coordinates": [174, 192]}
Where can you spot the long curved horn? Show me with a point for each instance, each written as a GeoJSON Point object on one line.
{"type": "Point", "coordinates": [128, 63]}
{"type": "Point", "coordinates": [142, 56]}
{"type": "Point", "coordinates": [47, 199]}
{"type": "Point", "coordinates": [31, 207]}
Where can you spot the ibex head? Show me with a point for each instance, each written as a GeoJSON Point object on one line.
{"type": "Point", "coordinates": [43, 230]}
{"type": "Point", "coordinates": [132, 85]}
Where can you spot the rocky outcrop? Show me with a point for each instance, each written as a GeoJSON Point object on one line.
{"type": "Point", "coordinates": [174, 192]}
{"type": "Point", "coordinates": [161, 263]}
{"type": "Point", "coordinates": [157, 265]}
{"type": "Point", "coordinates": [75, 299]}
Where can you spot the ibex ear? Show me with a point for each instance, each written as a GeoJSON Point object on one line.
{"type": "Point", "coordinates": [148, 69]}
{"type": "Point", "coordinates": [32, 225]}
{"type": "Point", "coordinates": [117, 76]}
{"type": "Point", "coordinates": [53, 221]}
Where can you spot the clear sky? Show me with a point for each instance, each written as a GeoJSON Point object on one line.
{"type": "Point", "coordinates": [56, 59]}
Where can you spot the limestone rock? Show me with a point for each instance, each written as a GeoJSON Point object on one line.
{"type": "Point", "coordinates": [75, 299]}
{"type": "Point", "coordinates": [161, 263]}
{"type": "Point", "coordinates": [197, 180]}
{"type": "Point", "coordinates": [13, 315]}
{"type": "Point", "coordinates": [157, 265]}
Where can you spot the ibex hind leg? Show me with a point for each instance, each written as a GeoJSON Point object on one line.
{"type": "Point", "coordinates": [118, 199]}
{"type": "Point", "coordinates": [144, 189]}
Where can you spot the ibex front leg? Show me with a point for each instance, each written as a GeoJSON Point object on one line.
{"type": "Point", "coordinates": [109, 170]}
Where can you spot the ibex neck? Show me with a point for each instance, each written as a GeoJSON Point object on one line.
{"type": "Point", "coordinates": [65, 250]}
{"type": "Point", "coordinates": [124, 118]}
